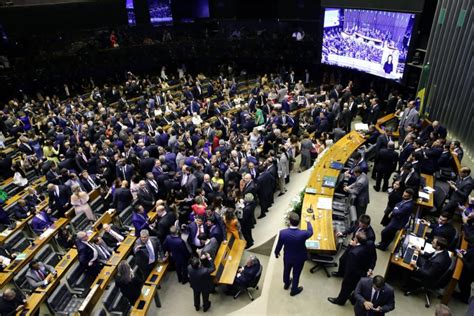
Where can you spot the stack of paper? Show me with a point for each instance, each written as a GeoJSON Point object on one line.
{"type": "Point", "coordinates": [424, 196]}
{"type": "Point", "coordinates": [361, 127]}
{"type": "Point", "coordinates": [324, 203]}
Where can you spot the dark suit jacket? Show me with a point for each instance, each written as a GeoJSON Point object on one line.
{"type": "Point", "coordinates": [293, 241]}
{"type": "Point", "coordinates": [369, 232]}
{"type": "Point", "coordinates": [57, 202]}
{"type": "Point", "coordinates": [431, 267]}
{"type": "Point", "coordinates": [387, 160]}
{"type": "Point", "coordinates": [85, 253]}
{"type": "Point", "coordinates": [248, 274]}
{"type": "Point", "coordinates": [400, 214]}
{"type": "Point", "coordinates": [146, 199]}
{"type": "Point", "coordinates": [122, 199]}
{"type": "Point", "coordinates": [216, 232]}
{"type": "Point", "coordinates": [146, 165]}
{"type": "Point", "coordinates": [192, 228]}
{"type": "Point", "coordinates": [447, 231]}
{"type": "Point", "coordinates": [110, 240]}
{"type": "Point", "coordinates": [176, 246]}
{"type": "Point", "coordinates": [464, 188]}
{"type": "Point", "coordinates": [384, 299]}
{"type": "Point", "coordinates": [140, 221]}
{"type": "Point", "coordinates": [157, 248]}
{"type": "Point", "coordinates": [39, 225]}
{"type": "Point", "coordinates": [163, 225]}
{"type": "Point", "coordinates": [359, 261]}
{"type": "Point", "coordinates": [200, 278]}
{"type": "Point", "coordinates": [250, 188]}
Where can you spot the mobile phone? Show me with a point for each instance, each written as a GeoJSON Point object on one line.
{"type": "Point", "coordinates": [414, 258]}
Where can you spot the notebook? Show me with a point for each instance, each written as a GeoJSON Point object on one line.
{"type": "Point", "coordinates": [329, 181]}
{"type": "Point", "coordinates": [336, 165]}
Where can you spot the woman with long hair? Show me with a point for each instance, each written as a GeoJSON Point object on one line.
{"type": "Point", "coordinates": [128, 282]}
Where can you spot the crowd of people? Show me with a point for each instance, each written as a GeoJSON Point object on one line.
{"type": "Point", "coordinates": [204, 156]}
{"type": "Point", "coordinates": [335, 43]}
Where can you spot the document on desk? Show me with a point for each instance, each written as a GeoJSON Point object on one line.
{"type": "Point", "coordinates": [21, 256]}
{"type": "Point", "coordinates": [416, 241]}
{"type": "Point", "coordinates": [429, 248]}
{"type": "Point", "coordinates": [5, 261]}
{"type": "Point", "coordinates": [324, 203]}
{"type": "Point", "coordinates": [423, 196]}
{"type": "Point", "coordinates": [361, 127]}
{"type": "Point", "coordinates": [46, 233]}
{"type": "Point", "coordinates": [428, 190]}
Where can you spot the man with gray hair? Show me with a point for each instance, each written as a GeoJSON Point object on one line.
{"type": "Point", "coordinates": [245, 275]}
{"type": "Point", "coordinates": [148, 252]}
{"type": "Point", "coordinates": [387, 159]}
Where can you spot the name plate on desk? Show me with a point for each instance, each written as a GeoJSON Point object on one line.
{"type": "Point", "coordinates": [47, 233]}
{"type": "Point", "coordinates": [312, 244]}
{"type": "Point", "coordinates": [310, 190]}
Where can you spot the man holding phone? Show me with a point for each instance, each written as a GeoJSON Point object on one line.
{"type": "Point", "coordinates": [373, 297]}
{"type": "Point", "coordinates": [460, 190]}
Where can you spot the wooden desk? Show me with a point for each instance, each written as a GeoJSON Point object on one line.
{"type": "Point", "coordinates": [383, 120]}
{"type": "Point", "coordinates": [105, 218]}
{"type": "Point", "coordinates": [323, 231]}
{"type": "Point", "coordinates": [35, 184]}
{"type": "Point", "coordinates": [232, 262]}
{"type": "Point", "coordinates": [122, 251]}
{"type": "Point", "coordinates": [143, 303]}
{"type": "Point", "coordinates": [30, 252]}
{"type": "Point", "coordinates": [393, 259]}
{"type": "Point", "coordinates": [341, 151]}
{"type": "Point", "coordinates": [429, 179]}
{"type": "Point", "coordinates": [156, 275]}
{"type": "Point", "coordinates": [227, 260]}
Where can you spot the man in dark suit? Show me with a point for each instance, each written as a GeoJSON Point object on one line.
{"type": "Point", "coordinates": [145, 196]}
{"type": "Point", "coordinates": [11, 302]}
{"type": "Point", "coordinates": [165, 220]}
{"type": "Point", "coordinates": [148, 252]}
{"type": "Point", "coordinates": [374, 111]}
{"type": "Point", "coordinates": [246, 274]}
{"type": "Point", "coordinates": [295, 254]}
{"type": "Point", "coordinates": [146, 164]}
{"type": "Point", "coordinates": [179, 253]}
{"type": "Point", "coordinates": [385, 165]}
{"type": "Point", "coordinates": [53, 176]}
{"type": "Point", "coordinates": [89, 182]}
{"type": "Point", "coordinates": [123, 198]}
{"type": "Point", "coordinates": [123, 170]}
{"type": "Point", "coordinates": [152, 185]}
{"type": "Point", "coordinates": [373, 297]}
{"type": "Point", "coordinates": [398, 219]}
{"type": "Point", "coordinates": [81, 160]}
{"type": "Point", "coordinates": [249, 185]}
{"type": "Point", "coordinates": [460, 190]}
{"type": "Point", "coordinates": [188, 181]}
{"type": "Point", "coordinates": [59, 196]}
{"type": "Point", "coordinates": [41, 221]}
{"type": "Point", "coordinates": [430, 267]}
{"type": "Point", "coordinates": [140, 220]}
{"type": "Point", "coordinates": [21, 210]}
{"type": "Point", "coordinates": [364, 226]}
{"type": "Point", "coordinates": [442, 228]}
{"type": "Point", "coordinates": [88, 255]}
{"type": "Point", "coordinates": [195, 229]}
{"type": "Point", "coordinates": [247, 222]}
{"type": "Point", "coordinates": [265, 185]}
{"type": "Point", "coordinates": [215, 230]}
{"type": "Point", "coordinates": [359, 261]}
{"type": "Point", "coordinates": [201, 281]}
{"type": "Point", "coordinates": [113, 235]}
{"type": "Point", "coordinates": [409, 178]}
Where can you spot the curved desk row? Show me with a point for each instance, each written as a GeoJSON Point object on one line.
{"type": "Point", "coordinates": [323, 237]}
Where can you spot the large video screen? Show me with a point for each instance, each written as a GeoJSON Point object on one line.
{"type": "Point", "coordinates": [160, 11]}
{"type": "Point", "coordinates": [375, 42]}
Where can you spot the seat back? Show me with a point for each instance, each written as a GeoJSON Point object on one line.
{"type": "Point", "coordinates": [18, 242]}
{"type": "Point", "coordinates": [126, 216]}
{"type": "Point", "coordinates": [21, 281]}
{"type": "Point", "coordinates": [114, 302]}
{"type": "Point", "coordinates": [59, 299]}
{"type": "Point", "coordinates": [80, 223]}
{"type": "Point", "coordinates": [254, 282]}
{"type": "Point", "coordinates": [443, 280]}
{"type": "Point", "coordinates": [48, 255]}
{"type": "Point", "coordinates": [77, 280]}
